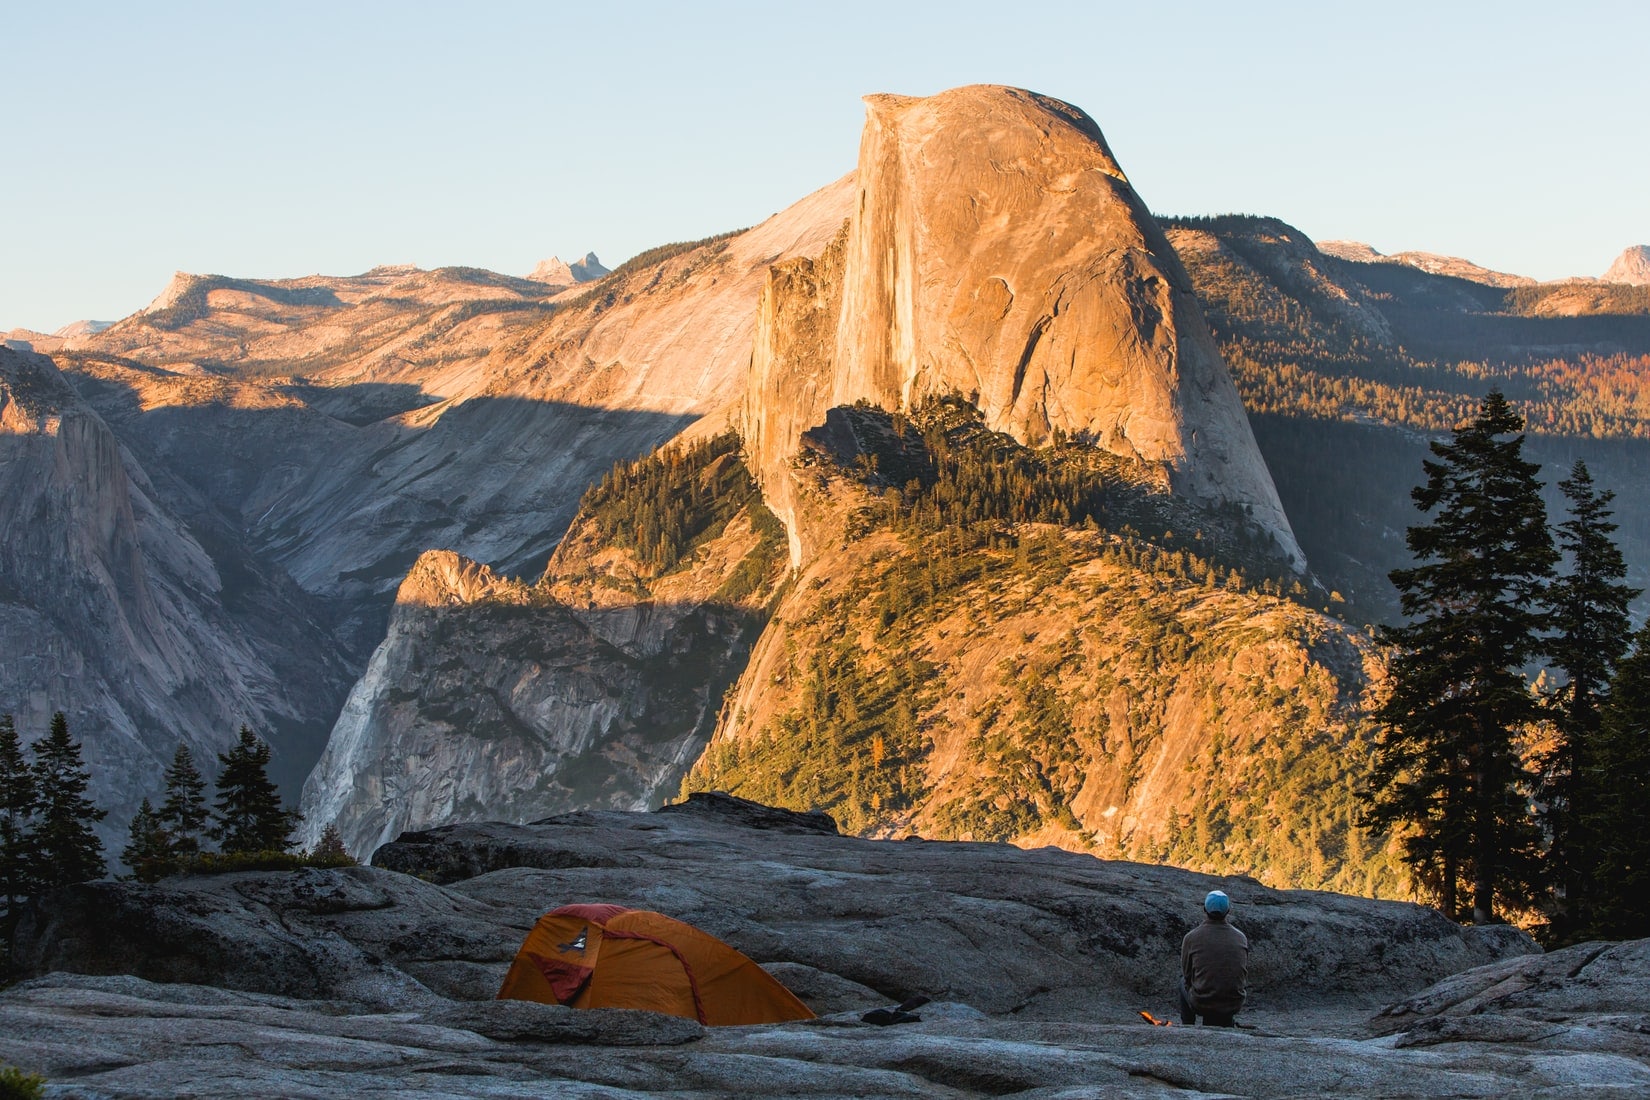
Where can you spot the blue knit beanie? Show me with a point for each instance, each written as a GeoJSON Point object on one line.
{"type": "Point", "coordinates": [1217, 904]}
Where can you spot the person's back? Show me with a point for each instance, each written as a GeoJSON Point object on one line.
{"type": "Point", "coordinates": [1214, 963]}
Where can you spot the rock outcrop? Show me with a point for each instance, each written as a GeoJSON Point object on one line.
{"type": "Point", "coordinates": [848, 922]}
{"type": "Point", "coordinates": [997, 251]}
{"type": "Point", "coordinates": [1632, 267]}
{"type": "Point", "coordinates": [1059, 693]}
{"type": "Point", "coordinates": [362, 980]}
{"type": "Point", "coordinates": [1044, 934]}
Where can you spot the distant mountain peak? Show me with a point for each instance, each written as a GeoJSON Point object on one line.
{"type": "Point", "coordinates": [1432, 263]}
{"type": "Point", "coordinates": [179, 286]}
{"type": "Point", "coordinates": [558, 272]}
{"type": "Point", "coordinates": [82, 328]}
{"type": "Point", "coordinates": [1632, 266]}
{"type": "Point", "coordinates": [48, 343]}
{"type": "Point", "coordinates": [589, 268]}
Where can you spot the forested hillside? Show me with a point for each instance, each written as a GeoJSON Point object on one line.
{"type": "Point", "coordinates": [1348, 369]}
{"type": "Point", "coordinates": [1043, 646]}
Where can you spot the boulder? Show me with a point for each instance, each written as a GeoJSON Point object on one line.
{"type": "Point", "coordinates": [354, 934]}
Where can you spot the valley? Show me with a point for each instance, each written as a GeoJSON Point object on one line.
{"type": "Point", "coordinates": [357, 512]}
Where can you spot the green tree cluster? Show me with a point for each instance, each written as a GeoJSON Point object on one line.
{"type": "Point", "coordinates": [665, 504]}
{"type": "Point", "coordinates": [1294, 349]}
{"type": "Point", "coordinates": [1491, 823]}
{"type": "Point", "coordinates": [246, 819]}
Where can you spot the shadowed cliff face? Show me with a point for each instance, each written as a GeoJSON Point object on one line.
{"type": "Point", "coordinates": [146, 630]}
{"type": "Point", "coordinates": [997, 252]}
{"type": "Point", "coordinates": [352, 423]}
{"type": "Point", "coordinates": [300, 443]}
{"type": "Point", "coordinates": [490, 698]}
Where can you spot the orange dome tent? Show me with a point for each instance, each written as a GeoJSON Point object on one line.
{"type": "Point", "coordinates": [607, 956]}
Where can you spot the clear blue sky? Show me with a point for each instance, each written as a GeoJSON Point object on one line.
{"type": "Point", "coordinates": [284, 139]}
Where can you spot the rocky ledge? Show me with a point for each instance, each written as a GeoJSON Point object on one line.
{"type": "Point", "coordinates": [377, 980]}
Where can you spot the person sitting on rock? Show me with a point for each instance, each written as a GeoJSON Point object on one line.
{"type": "Point", "coordinates": [1214, 961]}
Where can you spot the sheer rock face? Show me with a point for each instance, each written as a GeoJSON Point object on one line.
{"type": "Point", "coordinates": [144, 629]}
{"type": "Point", "coordinates": [1632, 266]}
{"type": "Point", "coordinates": [490, 698]}
{"type": "Point", "coordinates": [997, 251]}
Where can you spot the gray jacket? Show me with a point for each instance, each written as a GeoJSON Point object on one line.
{"type": "Point", "coordinates": [1214, 958]}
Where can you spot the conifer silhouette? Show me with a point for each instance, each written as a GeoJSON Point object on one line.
{"type": "Point", "coordinates": [1446, 766]}
{"type": "Point", "coordinates": [18, 800]}
{"type": "Point", "coordinates": [248, 812]}
{"type": "Point", "coordinates": [64, 847]}
{"type": "Point", "coordinates": [184, 814]}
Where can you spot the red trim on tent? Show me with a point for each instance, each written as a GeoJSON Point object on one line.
{"type": "Point", "coordinates": [596, 914]}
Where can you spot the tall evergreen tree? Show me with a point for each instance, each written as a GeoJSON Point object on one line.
{"type": "Point", "coordinates": [184, 814]}
{"type": "Point", "coordinates": [1591, 632]}
{"type": "Point", "coordinates": [66, 849]}
{"type": "Point", "coordinates": [149, 851]}
{"type": "Point", "coordinates": [1617, 774]}
{"type": "Point", "coordinates": [18, 799]}
{"type": "Point", "coordinates": [248, 807]}
{"type": "Point", "coordinates": [1445, 763]}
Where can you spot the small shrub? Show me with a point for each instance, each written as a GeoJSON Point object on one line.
{"type": "Point", "coordinates": [18, 1085]}
{"type": "Point", "coordinates": [223, 863]}
{"type": "Point", "coordinates": [330, 851]}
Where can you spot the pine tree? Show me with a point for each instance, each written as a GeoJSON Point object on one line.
{"type": "Point", "coordinates": [1591, 632]}
{"type": "Point", "coordinates": [149, 853]}
{"type": "Point", "coordinates": [66, 850]}
{"type": "Point", "coordinates": [1617, 774]}
{"type": "Point", "coordinates": [1445, 761]}
{"type": "Point", "coordinates": [18, 800]}
{"type": "Point", "coordinates": [184, 813]}
{"type": "Point", "coordinates": [248, 807]}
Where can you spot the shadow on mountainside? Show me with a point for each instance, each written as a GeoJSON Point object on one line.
{"type": "Point", "coordinates": [360, 403]}
{"type": "Point", "coordinates": [348, 506]}
{"type": "Point", "coordinates": [1446, 317]}
{"type": "Point", "coordinates": [309, 522]}
{"type": "Point", "coordinates": [1351, 513]}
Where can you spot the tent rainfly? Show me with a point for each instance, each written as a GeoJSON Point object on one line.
{"type": "Point", "coordinates": [607, 956]}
